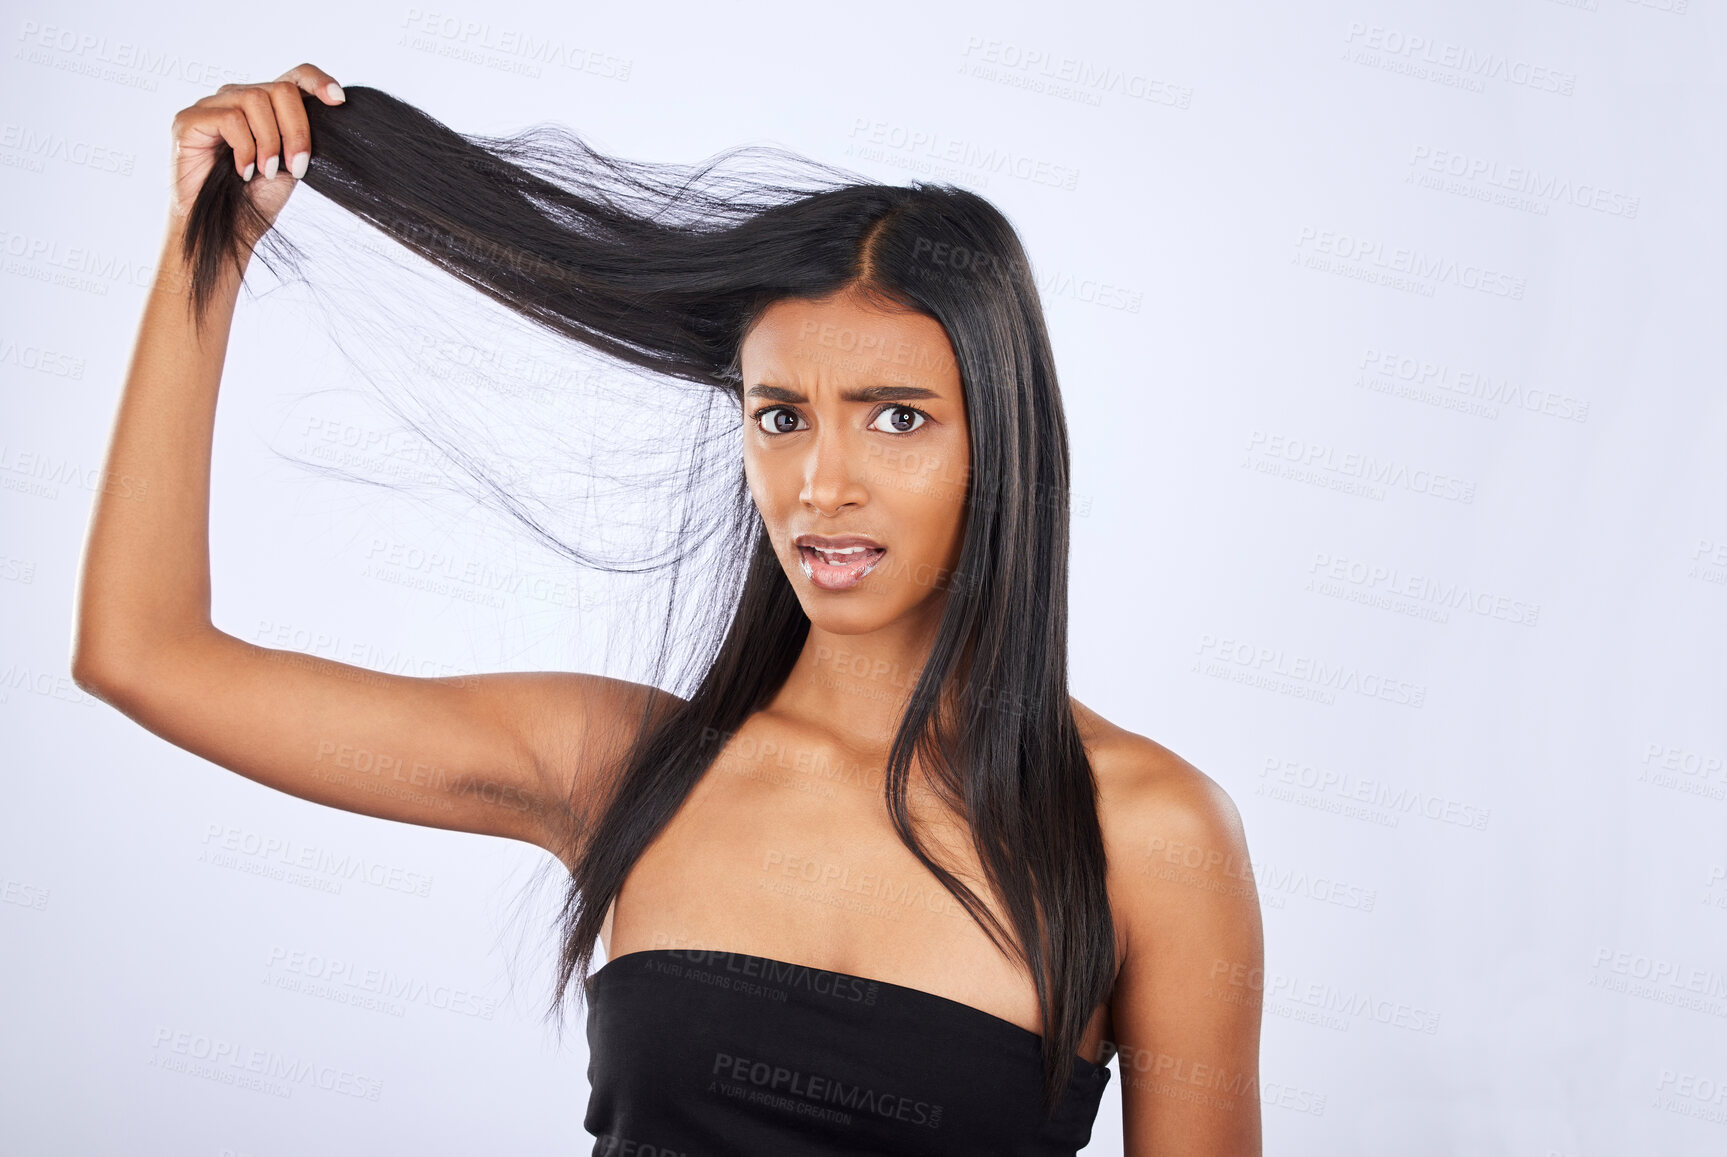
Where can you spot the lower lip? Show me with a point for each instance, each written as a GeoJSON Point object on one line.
{"type": "Point", "coordinates": [843, 576]}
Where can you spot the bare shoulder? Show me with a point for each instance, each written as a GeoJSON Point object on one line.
{"type": "Point", "coordinates": [1146, 793]}
{"type": "Point", "coordinates": [1178, 864]}
{"type": "Point", "coordinates": [1191, 963]}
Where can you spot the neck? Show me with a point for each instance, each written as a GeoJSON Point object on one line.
{"type": "Point", "coordinates": [857, 686]}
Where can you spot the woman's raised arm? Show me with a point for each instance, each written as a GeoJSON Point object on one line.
{"type": "Point", "coordinates": [515, 755]}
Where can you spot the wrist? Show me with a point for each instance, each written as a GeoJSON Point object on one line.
{"type": "Point", "coordinates": [174, 273]}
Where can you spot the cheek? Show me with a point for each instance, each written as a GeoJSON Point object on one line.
{"type": "Point", "coordinates": [750, 479]}
{"type": "Point", "coordinates": [954, 506]}
{"type": "Point", "coordinates": [753, 473]}
{"type": "Point", "coordinates": [764, 490]}
{"type": "Point", "coordinates": [931, 501]}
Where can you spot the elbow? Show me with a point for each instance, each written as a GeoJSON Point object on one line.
{"type": "Point", "coordinates": [106, 659]}
{"type": "Point", "coordinates": [90, 673]}
{"type": "Point", "coordinates": [102, 670]}
{"type": "Point", "coordinates": [95, 658]}
{"type": "Point", "coordinates": [104, 677]}
{"type": "Point", "coordinates": [119, 672]}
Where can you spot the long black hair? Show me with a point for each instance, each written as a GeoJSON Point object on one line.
{"type": "Point", "coordinates": [665, 268]}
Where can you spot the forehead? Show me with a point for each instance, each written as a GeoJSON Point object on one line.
{"type": "Point", "coordinates": [841, 338]}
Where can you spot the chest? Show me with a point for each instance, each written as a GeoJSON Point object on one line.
{"type": "Point", "coordinates": [785, 849]}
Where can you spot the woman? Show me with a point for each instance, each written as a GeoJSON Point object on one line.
{"type": "Point", "coordinates": [805, 955]}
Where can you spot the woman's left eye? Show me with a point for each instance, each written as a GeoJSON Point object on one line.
{"type": "Point", "coordinates": [900, 420]}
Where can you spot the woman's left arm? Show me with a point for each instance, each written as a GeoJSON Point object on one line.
{"type": "Point", "coordinates": [1186, 1006]}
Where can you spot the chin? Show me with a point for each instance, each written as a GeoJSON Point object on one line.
{"type": "Point", "coordinates": [879, 599]}
{"type": "Point", "coordinates": [846, 620]}
{"type": "Point", "coordinates": [858, 611]}
{"type": "Point", "coordinates": [853, 612]}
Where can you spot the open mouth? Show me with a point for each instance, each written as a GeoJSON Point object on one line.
{"type": "Point", "coordinates": [839, 568]}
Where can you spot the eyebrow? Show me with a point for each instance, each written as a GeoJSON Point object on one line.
{"type": "Point", "coordinates": [865, 394]}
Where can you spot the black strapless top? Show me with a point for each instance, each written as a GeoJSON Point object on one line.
{"type": "Point", "coordinates": [695, 1053]}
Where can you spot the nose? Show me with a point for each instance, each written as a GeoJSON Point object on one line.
{"type": "Point", "coordinates": [833, 479]}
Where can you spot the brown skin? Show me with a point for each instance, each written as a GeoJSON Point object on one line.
{"type": "Point", "coordinates": [512, 747]}
{"type": "Point", "coordinates": [846, 469]}
{"type": "Point", "coordinates": [841, 469]}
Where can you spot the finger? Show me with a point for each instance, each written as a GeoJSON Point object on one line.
{"type": "Point", "coordinates": [229, 122]}
{"type": "Point", "coordinates": [260, 112]}
{"type": "Point", "coordinates": [315, 81]}
{"type": "Point", "coordinates": [291, 122]}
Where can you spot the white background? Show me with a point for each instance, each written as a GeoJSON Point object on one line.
{"type": "Point", "coordinates": [1388, 336]}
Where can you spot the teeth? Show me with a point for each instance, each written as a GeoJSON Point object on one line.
{"type": "Point", "coordinates": [838, 556]}
{"type": "Point", "coordinates": [857, 560]}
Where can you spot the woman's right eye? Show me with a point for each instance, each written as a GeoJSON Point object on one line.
{"type": "Point", "coordinates": [778, 420]}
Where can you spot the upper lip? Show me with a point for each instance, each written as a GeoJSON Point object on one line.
{"type": "Point", "coordinates": [837, 542]}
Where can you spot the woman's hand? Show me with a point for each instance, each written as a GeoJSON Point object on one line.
{"type": "Point", "coordinates": [265, 125]}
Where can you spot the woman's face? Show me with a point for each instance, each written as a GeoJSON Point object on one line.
{"type": "Point", "coordinates": [857, 455]}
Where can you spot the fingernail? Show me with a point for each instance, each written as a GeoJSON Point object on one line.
{"type": "Point", "coordinates": [270, 167]}
{"type": "Point", "coordinates": [297, 164]}
{"type": "Point", "coordinates": [335, 91]}
{"type": "Point", "coordinates": [246, 173]}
